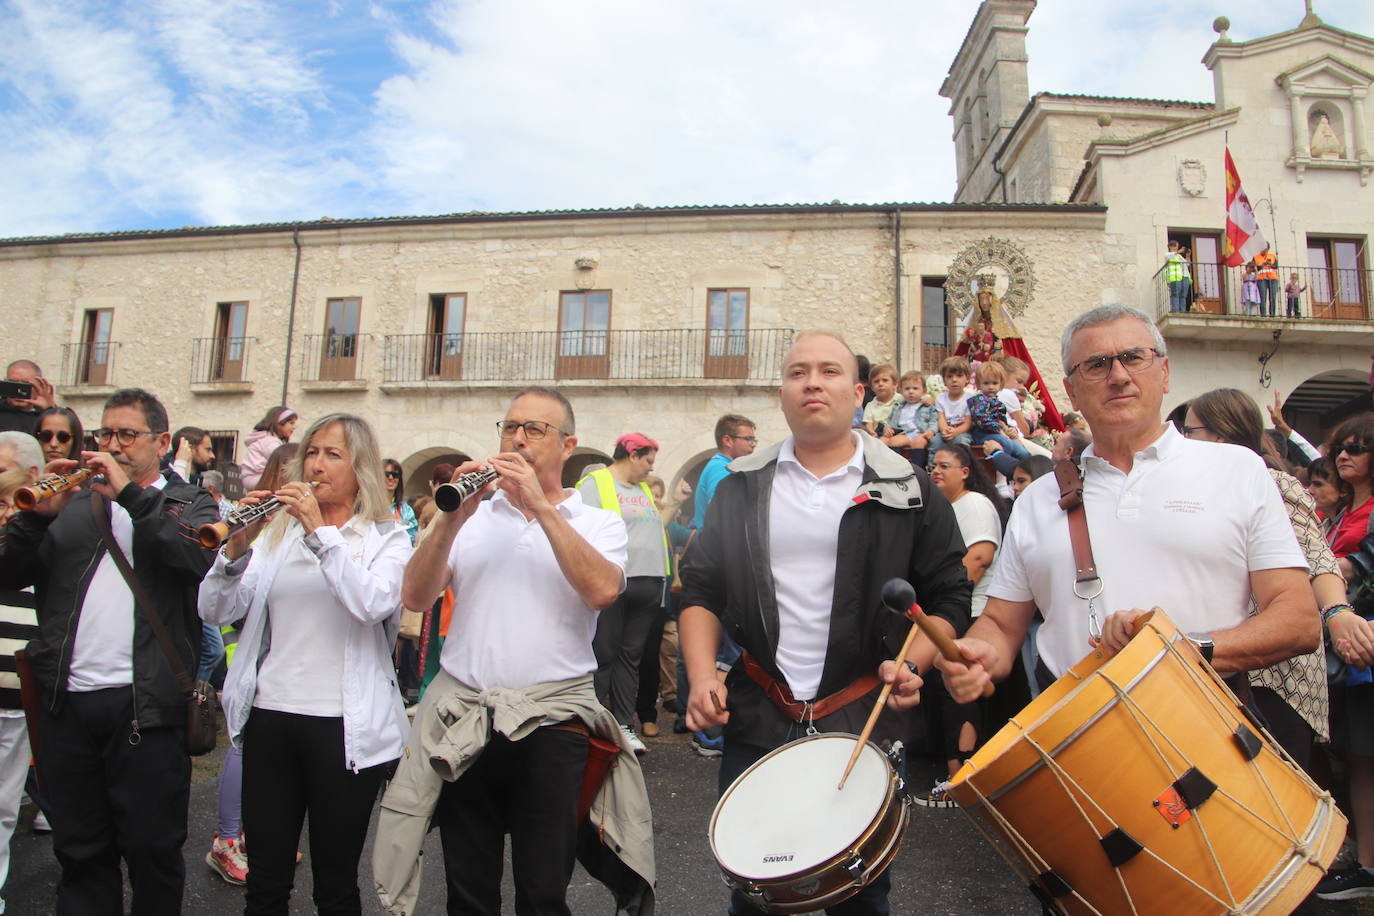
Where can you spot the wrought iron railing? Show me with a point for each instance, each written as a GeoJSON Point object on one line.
{"type": "Point", "coordinates": [332, 357]}
{"type": "Point", "coordinates": [89, 362]}
{"type": "Point", "coordinates": [1329, 294]}
{"type": "Point", "coordinates": [219, 359]}
{"type": "Point", "coordinates": [673, 353]}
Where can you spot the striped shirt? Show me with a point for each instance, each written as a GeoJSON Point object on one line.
{"type": "Point", "coordinates": [18, 625]}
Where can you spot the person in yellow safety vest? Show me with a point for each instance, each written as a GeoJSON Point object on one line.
{"type": "Point", "coordinates": [622, 628]}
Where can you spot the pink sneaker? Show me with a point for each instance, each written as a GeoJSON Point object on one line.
{"type": "Point", "coordinates": [227, 860]}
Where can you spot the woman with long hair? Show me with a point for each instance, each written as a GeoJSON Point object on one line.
{"type": "Point", "coordinates": [311, 696]}
{"type": "Point", "coordinates": [981, 514]}
{"type": "Point", "coordinates": [1292, 694]}
{"type": "Point", "coordinates": [396, 493]}
{"type": "Point", "coordinates": [271, 432]}
{"type": "Point", "coordinates": [59, 432]}
{"type": "Point", "coordinates": [1329, 493]}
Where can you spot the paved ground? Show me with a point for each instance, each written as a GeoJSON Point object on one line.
{"type": "Point", "coordinates": [944, 867]}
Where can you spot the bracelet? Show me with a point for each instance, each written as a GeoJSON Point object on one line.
{"type": "Point", "coordinates": [1333, 610]}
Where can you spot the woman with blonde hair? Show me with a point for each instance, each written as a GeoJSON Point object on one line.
{"type": "Point", "coordinates": [311, 695]}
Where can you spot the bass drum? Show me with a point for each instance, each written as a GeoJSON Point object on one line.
{"type": "Point", "coordinates": [1138, 784]}
{"type": "Point", "coordinates": [790, 840]}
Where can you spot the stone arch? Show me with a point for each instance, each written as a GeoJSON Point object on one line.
{"type": "Point", "coordinates": [578, 462]}
{"type": "Point", "coordinates": [420, 465]}
{"type": "Point", "coordinates": [1316, 406]}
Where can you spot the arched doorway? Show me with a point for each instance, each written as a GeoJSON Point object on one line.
{"type": "Point", "coordinates": [420, 466]}
{"type": "Point", "coordinates": [1316, 406]}
{"type": "Point", "coordinates": [581, 459]}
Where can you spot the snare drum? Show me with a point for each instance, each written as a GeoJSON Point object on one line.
{"type": "Point", "coordinates": [1137, 784]}
{"type": "Point", "coordinates": [792, 842]}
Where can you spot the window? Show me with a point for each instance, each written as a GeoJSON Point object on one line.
{"type": "Point", "coordinates": [1205, 267]}
{"type": "Point", "coordinates": [444, 346]}
{"type": "Point", "coordinates": [937, 334]}
{"type": "Point", "coordinates": [727, 333]}
{"type": "Point", "coordinates": [339, 359]}
{"type": "Point", "coordinates": [584, 325]}
{"type": "Point", "coordinates": [1336, 282]}
{"type": "Point", "coordinates": [94, 363]}
{"type": "Point", "coordinates": [225, 442]}
{"type": "Point", "coordinates": [230, 345]}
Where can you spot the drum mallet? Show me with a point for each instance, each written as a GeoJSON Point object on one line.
{"type": "Point", "coordinates": [900, 598]}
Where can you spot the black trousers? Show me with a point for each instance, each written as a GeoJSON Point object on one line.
{"type": "Point", "coordinates": [619, 643]}
{"type": "Point", "coordinates": [646, 700]}
{"type": "Point", "coordinates": [294, 765]}
{"type": "Point", "coordinates": [526, 788]}
{"type": "Point", "coordinates": [110, 799]}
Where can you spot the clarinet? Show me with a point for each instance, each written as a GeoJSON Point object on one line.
{"type": "Point", "coordinates": [449, 496]}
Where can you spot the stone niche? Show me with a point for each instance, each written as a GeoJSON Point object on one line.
{"type": "Point", "coordinates": [1326, 108]}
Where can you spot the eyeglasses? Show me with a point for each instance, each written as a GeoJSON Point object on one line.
{"type": "Point", "coordinates": [534, 429]}
{"type": "Point", "coordinates": [1188, 431]}
{"type": "Point", "coordinates": [753, 439]}
{"type": "Point", "coordinates": [1134, 361]}
{"type": "Point", "coordinates": [126, 437]}
{"type": "Point", "coordinates": [47, 435]}
{"type": "Point", "coordinates": [394, 475]}
{"type": "Point", "coordinates": [1353, 449]}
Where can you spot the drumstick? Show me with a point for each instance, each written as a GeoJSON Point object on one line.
{"type": "Point", "coordinates": [878, 706]}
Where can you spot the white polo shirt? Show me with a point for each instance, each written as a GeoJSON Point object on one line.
{"type": "Point", "coordinates": [803, 539]}
{"type": "Point", "coordinates": [103, 654]}
{"type": "Point", "coordinates": [517, 621]}
{"type": "Point", "coordinates": [1182, 531]}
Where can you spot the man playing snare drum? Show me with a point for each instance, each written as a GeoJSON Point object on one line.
{"type": "Point", "coordinates": [796, 547]}
{"type": "Point", "coordinates": [1193, 528]}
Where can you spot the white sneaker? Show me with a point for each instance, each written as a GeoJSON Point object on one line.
{"type": "Point", "coordinates": [636, 745]}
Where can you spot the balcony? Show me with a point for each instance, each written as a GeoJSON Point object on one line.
{"type": "Point", "coordinates": [1335, 303]}
{"type": "Point", "coordinates": [220, 364]}
{"type": "Point", "coordinates": [675, 354]}
{"type": "Point", "coordinates": [333, 361]}
{"type": "Point", "coordinates": [88, 366]}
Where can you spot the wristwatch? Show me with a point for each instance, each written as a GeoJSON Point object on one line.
{"type": "Point", "coordinates": [1204, 644]}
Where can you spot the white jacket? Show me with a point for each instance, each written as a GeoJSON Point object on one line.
{"type": "Point", "coordinates": [369, 595]}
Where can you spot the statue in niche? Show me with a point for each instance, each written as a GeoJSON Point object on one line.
{"type": "Point", "coordinates": [1325, 144]}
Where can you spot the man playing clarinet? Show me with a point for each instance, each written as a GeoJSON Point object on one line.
{"type": "Point", "coordinates": [797, 545]}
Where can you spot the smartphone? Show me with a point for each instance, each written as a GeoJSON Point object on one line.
{"type": "Point", "coordinates": [20, 390]}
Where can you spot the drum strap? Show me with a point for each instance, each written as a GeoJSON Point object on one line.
{"type": "Point", "coordinates": [798, 711]}
{"type": "Point", "coordinates": [1070, 479]}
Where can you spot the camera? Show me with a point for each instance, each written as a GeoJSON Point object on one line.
{"type": "Point", "coordinates": [21, 390]}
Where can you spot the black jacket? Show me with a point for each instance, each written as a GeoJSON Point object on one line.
{"type": "Point", "coordinates": [59, 556]}
{"type": "Point", "coordinates": [899, 526]}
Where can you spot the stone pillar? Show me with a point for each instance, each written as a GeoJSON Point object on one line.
{"type": "Point", "coordinates": [1300, 150]}
{"type": "Point", "coordinates": [1357, 97]}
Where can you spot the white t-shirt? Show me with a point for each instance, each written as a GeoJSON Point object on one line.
{"type": "Point", "coordinates": [1008, 397]}
{"type": "Point", "coordinates": [103, 653]}
{"type": "Point", "coordinates": [978, 521]}
{"type": "Point", "coordinates": [1182, 532]}
{"type": "Point", "coordinates": [954, 411]}
{"type": "Point", "coordinates": [803, 537]}
{"type": "Point", "coordinates": [517, 621]}
{"type": "Point", "coordinates": [307, 631]}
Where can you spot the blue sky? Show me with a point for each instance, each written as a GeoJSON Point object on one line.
{"type": "Point", "coordinates": [164, 113]}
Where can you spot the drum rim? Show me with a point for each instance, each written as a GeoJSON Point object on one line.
{"type": "Point", "coordinates": [889, 796]}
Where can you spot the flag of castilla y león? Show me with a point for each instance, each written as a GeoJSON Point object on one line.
{"type": "Point", "coordinates": [1243, 237]}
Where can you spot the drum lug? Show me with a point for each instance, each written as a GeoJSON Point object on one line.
{"type": "Point", "coordinates": [857, 870]}
{"type": "Point", "coordinates": [894, 755]}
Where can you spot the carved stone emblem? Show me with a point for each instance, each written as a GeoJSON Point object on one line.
{"type": "Point", "coordinates": [969, 273]}
{"type": "Point", "coordinates": [1192, 177]}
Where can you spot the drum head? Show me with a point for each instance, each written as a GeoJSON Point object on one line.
{"type": "Point", "coordinates": [784, 814]}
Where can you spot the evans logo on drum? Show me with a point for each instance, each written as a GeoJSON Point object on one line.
{"type": "Point", "coordinates": [786, 858]}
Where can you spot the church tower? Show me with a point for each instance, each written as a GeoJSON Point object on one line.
{"type": "Point", "coordinates": [988, 89]}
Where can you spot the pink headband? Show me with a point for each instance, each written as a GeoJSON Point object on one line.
{"type": "Point", "coordinates": [634, 442]}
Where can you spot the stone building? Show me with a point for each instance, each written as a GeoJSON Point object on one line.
{"type": "Point", "coordinates": [661, 319]}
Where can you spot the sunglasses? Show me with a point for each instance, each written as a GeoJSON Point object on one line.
{"type": "Point", "coordinates": [47, 435]}
{"type": "Point", "coordinates": [1353, 449]}
{"type": "Point", "coordinates": [394, 475]}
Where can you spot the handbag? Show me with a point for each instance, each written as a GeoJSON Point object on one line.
{"type": "Point", "coordinates": [202, 703]}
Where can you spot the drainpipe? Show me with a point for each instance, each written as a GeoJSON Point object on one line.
{"type": "Point", "coordinates": [897, 276]}
{"type": "Point", "coordinates": [291, 315]}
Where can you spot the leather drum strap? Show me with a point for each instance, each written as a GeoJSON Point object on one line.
{"type": "Point", "coordinates": [796, 710]}
{"type": "Point", "coordinates": [1070, 479]}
